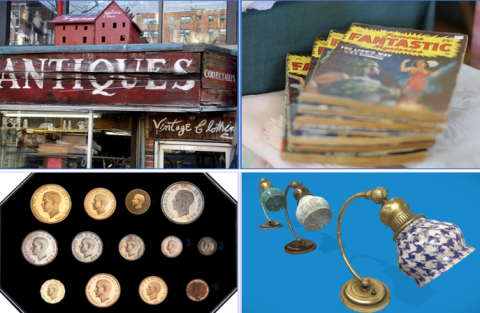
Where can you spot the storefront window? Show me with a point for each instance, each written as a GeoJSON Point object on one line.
{"type": "Point", "coordinates": [60, 140]}
{"type": "Point", "coordinates": [29, 23]}
{"type": "Point", "coordinates": [111, 141]}
{"type": "Point", "coordinates": [203, 20]}
{"type": "Point", "coordinates": [43, 140]}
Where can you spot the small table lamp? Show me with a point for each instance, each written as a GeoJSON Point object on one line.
{"type": "Point", "coordinates": [426, 249]}
{"type": "Point", "coordinates": [273, 199]}
{"type": "Point", "coordinates": [312, 212]}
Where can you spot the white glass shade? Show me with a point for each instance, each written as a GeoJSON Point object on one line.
{"type": "Point", "coordinates": [313, 212]}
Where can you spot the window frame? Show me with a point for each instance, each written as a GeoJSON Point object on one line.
{"type": "Point", "coordinates": [162, 145]}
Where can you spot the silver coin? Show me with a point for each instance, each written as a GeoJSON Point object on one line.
{"type": "Point", "coordinates": [182, 203]}
{"type": "Point", "coordinates": [172, 246]}
{"type": "Point", "coordinates": [39, 248]}
{"type": "Point", "coordinates": [87, 247]}
{"type": "Point", "coordinates": [131, 247]}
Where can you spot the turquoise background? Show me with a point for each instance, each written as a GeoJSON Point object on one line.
{"type": "Point", "coordinates": [274, 281]}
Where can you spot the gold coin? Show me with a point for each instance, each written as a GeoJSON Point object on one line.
{"type": "Point", "coordinates": [39, 248]}
{"type": "Point", "coordinates": [103, 290]}
{"type": "Point", "coordinates": [207, 246]}
{"type": "Point", "coordinates": [182, 203]}
{"type": "Point", "coordinates": [197, 290]}
{"type": "Point", "coordinates": [100, 203]}
{"type": "Point", "coordinates": [172, 246]}
{"type": "Point", "coordinates": [87, 247]}
{"type": "Point", "coordinates": [50, 204]}
{"type": "Point", "coordinates": [131, 247]}
{"type": "Point", "coordinates": [137, 201]}
{"type": "Point", "coordinates": [153, 290]}
{"type": "Point", "coordinates": [52, 291]}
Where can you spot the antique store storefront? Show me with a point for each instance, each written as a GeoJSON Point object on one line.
{"type": "Point", "coordinates": [81, 92]}
{"type": "Point", "coordinates": [145, 105]}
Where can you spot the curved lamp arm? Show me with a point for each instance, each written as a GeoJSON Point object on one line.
{"type": "Point", "coordinates": [366, 282]}
{"type": "Point", "coordinates": [286, 211]}
{"type": "Point", "coordinates": [260, 192]}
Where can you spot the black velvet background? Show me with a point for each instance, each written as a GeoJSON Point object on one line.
{"type": "Point", "coordinates": [22, 281]}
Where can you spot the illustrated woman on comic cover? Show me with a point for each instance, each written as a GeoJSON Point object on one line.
{"type": "Point", "coordinates": [418, 82]}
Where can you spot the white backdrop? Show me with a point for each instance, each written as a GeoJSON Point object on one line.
{"type": "Point", "coordinates": [229, 181]}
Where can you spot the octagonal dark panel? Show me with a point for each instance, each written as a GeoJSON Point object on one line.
{"type": "Point", "coordinates": [21, 281]}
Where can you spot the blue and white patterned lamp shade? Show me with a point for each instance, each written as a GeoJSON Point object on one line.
{"type": "Point", "coordinates": [428, 248]}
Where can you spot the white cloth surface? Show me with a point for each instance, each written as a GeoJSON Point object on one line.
{"type": "Point", "coordinates": [257, 5]}
{"type": "Point", "coordinates": [457, 147]}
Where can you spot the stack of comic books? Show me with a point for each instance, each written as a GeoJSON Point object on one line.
{"type": "Point", "coordinates": [375, 97]}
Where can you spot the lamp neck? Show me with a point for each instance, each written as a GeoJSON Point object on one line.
{"type": "Point", "coordinates": [265, 184]}
{"type": "Point", "coordinates": [300, 192]}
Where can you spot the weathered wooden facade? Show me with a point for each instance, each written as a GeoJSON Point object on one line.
{"type": "Point", "coordinates": [153, 93]}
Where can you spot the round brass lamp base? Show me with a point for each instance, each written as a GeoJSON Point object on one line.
{"type": "Point", "coordinates": [268, 225]}
{"type": "Point", "coordinates": [300, 247]}
{"type": "Point", "coordinates": [370, 299]}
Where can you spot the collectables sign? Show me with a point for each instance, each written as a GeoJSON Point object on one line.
{"type": "Point", "coordinates": [137, 78]}
{"type": "Point", "coordinates": [181, 127]}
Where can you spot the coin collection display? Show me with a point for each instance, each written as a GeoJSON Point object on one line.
{"type": "Point", "coordinates": [182, 203]}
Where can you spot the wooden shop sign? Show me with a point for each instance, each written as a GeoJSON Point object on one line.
{"type": "Point", "coordinates": [143, 78]}
{"type": "Point", "coordinates": [181, 127]}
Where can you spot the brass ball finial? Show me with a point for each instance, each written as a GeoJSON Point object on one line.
{"type": "Point", "coordinates": [265, 184]}
{"type": "Point", "coordinates": [379, 195]}
{"type": "Point", "coordinates": [295, 184]}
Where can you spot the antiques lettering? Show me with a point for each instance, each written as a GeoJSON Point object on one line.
{"type": "Point", "coordinates": [152, 65]}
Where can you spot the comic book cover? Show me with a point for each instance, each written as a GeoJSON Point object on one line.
{"type": "Point", "coordinates": [317, 49]}
{"type": "Point", "coordinates": [399, 72]}
{"type": "Point", "coordinates": [297, 67]}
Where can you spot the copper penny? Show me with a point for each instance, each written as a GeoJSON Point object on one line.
{"type": "Point", "coordinates": [207, 246]}
{"type": "Point", "coordinates": [197, 290]}
{"type": "Point", "coordinates": [137, 201]}
{"type": "Point", "coordinates": [131, 247]}
{"type": "Point", "coordinates": [50, 204]}
{"type": "Point", "coordinates": [39, 248]}
{"type": "Point", "coordinates": [87, 247]}
{"type": "Point", "coordinates": [100, 203]}
{"type": "Point", "coordinates": [153, 290]}
{"type": "Point", "coordinates": [182, 203]}
{"type": "Point", "coordinates": [172, 246]}
{"type": "Point", "coordinates": [103, 290]}
{"type": "Point", "coordinates": [52, 291]}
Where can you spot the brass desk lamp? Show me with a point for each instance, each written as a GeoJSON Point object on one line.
{"type": "Point", "coordinates": [426, 249]}
{"type": "Point", "coordinates": [273, 199]}
{"type": "Point", "coordinates": [312, 212]}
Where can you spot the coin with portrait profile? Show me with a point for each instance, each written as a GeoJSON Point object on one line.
{"type": "Point", "coordinates": [197, 290]}
{"type": "Point", "coordinates": [50, 204]}
{"type": "Point", "coordinates": [87, 247]}
{"type": "Point", "coordinates": [131, 247]}
{"type": "Point", "coordinates": [153, 290]}
{"type": "Point", "coordinates": [172, 246]}
{"type": "Point", "coordinates": [100, 203]}
{"type": "Point", "coordinates": [137, 201]}
{"type": "Point", "coordinates": [207, 246]}
{"type": "Point", "coordinates": [182, 203]}
{"type": "Point", "coordinates": [103, 290]}
{"type": "Point", "coordinates": [52, 291]}
{"type": "Point", "coordinates": [39, 248]}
